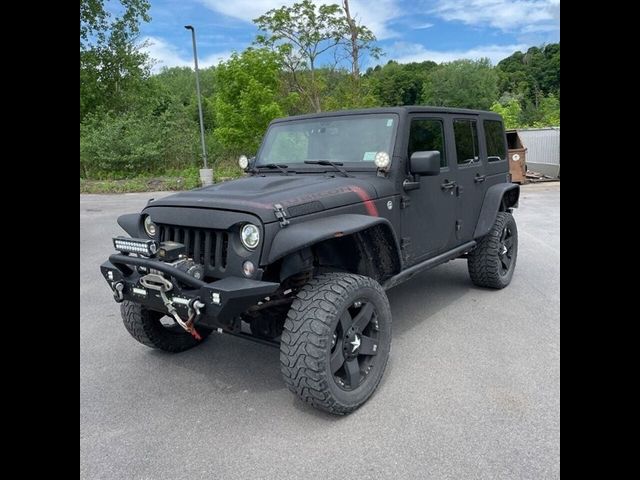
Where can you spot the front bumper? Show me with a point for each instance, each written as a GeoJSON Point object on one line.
{"type": "Point", "coordinates": [224, 299]}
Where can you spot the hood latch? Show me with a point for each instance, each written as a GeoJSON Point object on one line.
{"type": "Point", "coordinates": [281, 215]}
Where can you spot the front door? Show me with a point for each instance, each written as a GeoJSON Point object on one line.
{"type": "Point", "coordinates": [471, 176]}
{"type": "Point", "coordinates": [429, 212]}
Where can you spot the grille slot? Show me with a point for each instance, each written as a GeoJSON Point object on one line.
{"type": "Point", "coordinates": [207, 247]}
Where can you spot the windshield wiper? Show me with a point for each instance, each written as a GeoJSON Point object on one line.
{"type": "Point", "coordinates": [335, 165]}
{"type": "Point", "coordinates": [280, 166]}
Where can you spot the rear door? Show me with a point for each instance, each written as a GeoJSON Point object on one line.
{"type": "Point", "coordinates": [496, 149]}
{"type": "Point", "coordinates": [471, 174]}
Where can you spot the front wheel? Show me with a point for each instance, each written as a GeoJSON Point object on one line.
{"type": "Point", "coordinates": [156, 330]}
{"type": "Point", "coordinates": [336, 341]}
{"type": "Point", "coordinates": [492, 262]}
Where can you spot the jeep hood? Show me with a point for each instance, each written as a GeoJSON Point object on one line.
{"type": "Point", "coordinates": [299, 194]}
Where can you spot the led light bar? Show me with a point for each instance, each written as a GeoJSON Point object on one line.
{"type": "Point", "coordinates": [147, 248]}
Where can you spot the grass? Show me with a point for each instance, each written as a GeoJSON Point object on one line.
{"type": "Point", "coordinates": [171, 180]}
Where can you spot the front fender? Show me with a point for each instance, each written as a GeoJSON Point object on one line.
{"type": "Point", "coordinates": [132, 224]}
{"type": "Point", "coordinates": [304, 234]}
{"type": "Point", "coordinates": [491, 206]}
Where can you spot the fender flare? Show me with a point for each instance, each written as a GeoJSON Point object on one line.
{"type": "Point", "coordinates": [491, 206]}
{"type": "Point", "coordinates": [304, 234]}
{"type": "Point", "coordinates": [131, 223]}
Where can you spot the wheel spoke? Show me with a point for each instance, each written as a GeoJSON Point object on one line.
{"type": "Point", "coordinates": [368, 346]}
{"type": "Point", "coordinates": [346, 321]}
{"type": "Point", "coordinates": [503, 235]}
{"type": "Point", "coordinates": [337, 358]}
{"type": "Point", "coordinates": [506, 262]}
{"type": "Point", "coordinates": [352, 369]}
{"type": "Point", "coordinates": [508, 242]}
{"type": "Point", "coordinates": [363, 317]}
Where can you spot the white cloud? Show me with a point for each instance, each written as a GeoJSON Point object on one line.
{"type": "Point", "coordinates": [376, 15]}
{"type": "Point", "coordinates": [403, 52]}
{"type": "Point", "coordinates": [506, 15]}
{"type": "Point", "coordinates": [168, 55]}
{"type": "Point", "coordinates": [422, 26]}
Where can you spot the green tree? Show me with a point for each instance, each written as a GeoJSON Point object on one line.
{"type": "Point", "coordinates": [531, 75]}
{"type": "Point", "coordinates": [399, 84]}
{"type": "Point", "coordinates": [549, 112]}
{"type": "Point", "coordinates": [112, 66]}
{"type": "Point", "coordinates": [357, 40]}
{"type": "Point", "coordinates": [247, 98]}
{"type": "Point", "coordinates": [461, 83]}
{"type": "Point", "coordinates": [510, 111]}
{"type": "Point", "coordinates": [300, 34]}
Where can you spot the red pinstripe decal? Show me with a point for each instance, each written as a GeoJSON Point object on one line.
{"type": "Point", "coordinates": [368, 203]}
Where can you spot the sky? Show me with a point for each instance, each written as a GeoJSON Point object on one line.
{"type": "Point", "coordinates": [407, 30]}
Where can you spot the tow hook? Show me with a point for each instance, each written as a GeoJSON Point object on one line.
{"type": "Point", "coordinates": [162, 285]}
{"type": "Point", "coordinates": [117, 291]}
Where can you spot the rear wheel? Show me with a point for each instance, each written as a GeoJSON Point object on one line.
{"type": "Point", "coordinates": [492, 262]}
{"type": "Point", "coordinates": [336, 341]}
{"type": "Point", "coordinates": [156, 330]}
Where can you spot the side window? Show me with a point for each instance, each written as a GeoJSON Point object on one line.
{"type": "Point", "coordinates": [427, 135]}
{"type": "Point", "coordinates": [466, 134]}
{"type": "Point", "coordinates": [494, 135]}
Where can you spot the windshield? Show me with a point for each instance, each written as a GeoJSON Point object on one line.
{"type": "Point", "coordinates": [351, 139]}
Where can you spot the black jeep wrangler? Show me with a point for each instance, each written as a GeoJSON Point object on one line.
{"type": "Point", "coordinates": [335, 208]}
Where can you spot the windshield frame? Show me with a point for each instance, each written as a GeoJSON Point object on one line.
{"type": "Point", "coordinates": [356, 166]}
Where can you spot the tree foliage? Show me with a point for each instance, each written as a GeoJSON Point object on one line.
{"type": "Point", "coordinates": [247, 98]}
{"type": "Point", "coordinates": [307, 58]}
{"type": "Point", "coordinates": [112, 66]}
{"type": "Point", "coordinates": [300, 34]}
{"type": "Point", "coordinates": [461, 83]}
{"type": "Point", "coordinates": [399, 84]}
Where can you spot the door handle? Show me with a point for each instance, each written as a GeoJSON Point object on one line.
{"type": "Point", "coordinates": [479, 178]}
{"type": "Point", "coordinates": [447, 185]}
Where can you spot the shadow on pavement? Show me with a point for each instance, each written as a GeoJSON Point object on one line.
{"type": "Point", "coordinates": [231, 365]}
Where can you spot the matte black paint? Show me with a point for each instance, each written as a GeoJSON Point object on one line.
{"type": "Point", "coordinates": [436, 219]}
{"type": "Point", "coordinates": [491, 206]}
{"type": "Point", "coordinates": [301, 235]}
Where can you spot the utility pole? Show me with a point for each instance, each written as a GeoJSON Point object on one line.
{"type": "Point", "coordinates": [206, 174]}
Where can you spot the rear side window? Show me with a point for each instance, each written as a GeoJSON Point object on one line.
{"type": "Point", "coordinates": [466, 134]}
{"type": "Point", "coordinates": [494, 135]}
{"type": "Point", "coordinates": [427, 135]}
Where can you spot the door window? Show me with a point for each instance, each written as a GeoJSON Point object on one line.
{"type": "Point", "coordinates": [466, 135]}
{"type": "Point", "coordinates": [494, 135]}
{"type": "Point", "coordinates": [427, 135]}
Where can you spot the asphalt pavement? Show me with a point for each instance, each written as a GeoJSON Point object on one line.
{"type": "Point", "coordinates": [472, 389]}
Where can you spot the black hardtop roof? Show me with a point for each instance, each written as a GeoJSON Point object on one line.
{"type": "Point", "coordinates": [398, 110]}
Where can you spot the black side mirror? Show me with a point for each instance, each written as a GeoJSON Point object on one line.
{"type": "Point", "coordinates": [425, 163]}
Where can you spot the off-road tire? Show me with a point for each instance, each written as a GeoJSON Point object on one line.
{"type": "Point", "coordinates": [484, 262]}
{"type": "Point", "coordinates": [306, 342]}
{"type": "Point", "coordinates": [145, 326]}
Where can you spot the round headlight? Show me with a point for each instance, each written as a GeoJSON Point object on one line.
{"type": "Point", "coordinates": [382, 160]}
{"type": "Point", "coordinates": [150, 227]}
{"type": "Point", "coordinates": [250, 236]}
{"type": "Point", "coordinates": [243, 161]}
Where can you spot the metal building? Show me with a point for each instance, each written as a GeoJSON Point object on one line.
{"type": "Point", "coordinates": [543, 149]}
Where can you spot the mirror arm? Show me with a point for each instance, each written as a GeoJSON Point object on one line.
{"type": "Point", "coordinates": [411, 185]}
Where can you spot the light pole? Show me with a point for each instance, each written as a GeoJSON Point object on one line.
{"type": "Point", "coordinates": [206, 174]}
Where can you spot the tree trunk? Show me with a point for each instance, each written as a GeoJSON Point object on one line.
{"type": "Point", "coordinates": [315, 96]}
{"type": "Point", "coordinates": [353, 31]}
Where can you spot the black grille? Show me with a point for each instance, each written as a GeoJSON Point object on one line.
{"type": "Point", "coordinates": [207, 247]}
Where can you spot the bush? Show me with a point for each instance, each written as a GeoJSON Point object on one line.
{"type": "Point", "coordinates": [131, 144]}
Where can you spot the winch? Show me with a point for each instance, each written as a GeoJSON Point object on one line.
{"type": "Point", "coordinates": [156, 281]}
{"type": "Point", "coordinates": [170, 253]}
